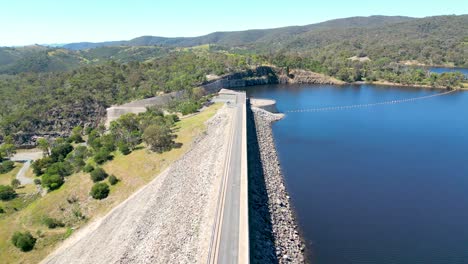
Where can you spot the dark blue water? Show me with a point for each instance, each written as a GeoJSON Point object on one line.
{"type": "Point", "coordinates": [442, 70]}
{"type": "Point", "coordinates": [384, 184]}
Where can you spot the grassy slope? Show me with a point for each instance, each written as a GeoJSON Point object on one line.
{"type": "Point", "coordinates": [134, 171]}
{"type": "Point", "coordinates": [5, 179]}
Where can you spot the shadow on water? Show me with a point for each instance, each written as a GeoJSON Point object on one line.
{"type": "Point", "coordinates": [262, 242]}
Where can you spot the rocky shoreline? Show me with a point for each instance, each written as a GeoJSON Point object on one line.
{"type": "Point", "coordinates": [284, 240]}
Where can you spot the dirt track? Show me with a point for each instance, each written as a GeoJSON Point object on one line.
{"type": "Point", "coordinates": [168, 221]}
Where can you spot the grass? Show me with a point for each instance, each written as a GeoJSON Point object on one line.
{"type": "Point", "coordinates": [5, 179]}
{"type": "Point", "coordinates": [72, 204]}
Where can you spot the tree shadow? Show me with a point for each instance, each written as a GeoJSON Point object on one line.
{"type": "Point", "coordinates": [262, 241]}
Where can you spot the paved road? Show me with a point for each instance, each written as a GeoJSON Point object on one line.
{"type": "Point", "coordinates": [226, 243]}
{"type": "Point", "coordinates": [27, 158]}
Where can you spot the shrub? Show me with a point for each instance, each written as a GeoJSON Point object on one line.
{"type": "Point", "coordinates": [108, 142]}
{"type": "Point", "coordinates": [2, 211]}
{"type": "Point", "coordinates": [59, 152]}
{"type": "Point", "coordinates": [75, 138]}
{"type": "Point", "coordinates": [60, 168]}
{"type": "Point", "coordinates": [124, 148]}
{"type": "Point", "coordinates": [6, 166]}
{"type": "Point", "coordinates": [24, 241]}
{"type": "Point", "coordinates": [102, 156]}
{"type": "Point", "coordinates": [37, 181]}
{"type": "Point", "coordinates": [52, 222]}
{"type": "Point", "coordinates": [100, 191]}
{"type": "Point", "coordinates": [113, 180]}
{"type": "Point", "coordinates": [88, 168]}
{"type": "Point", "coordinates": [98, 175]}
{"type": "Point", "coordinates": [52, 181]}
{"type": "Point", "coordinates": [188, 107]}
{"type": "Point", "coordinates": [40, 165]}
{"type": "Point", "coordinates": [7, 193]}
{"type": "Point", "coordinates": [15, 183]}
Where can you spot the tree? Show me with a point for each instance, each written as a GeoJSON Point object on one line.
{"type": "Point", "coordinates": [7, 166]}
{"type": "Point", "coordinates": [158, 137]}
{"type": "Point", "coordinates": [124, 148]}
{"type": "Point", "coordinates": [43, 145]}
{"type": "Point", "coordinates": [98, 174]}
{"type": "Point", "coordinates": [60, 168]}
{"type": "Point", "coordinates": [24, 241]}
{"type": "Point", "coordinates": [15, 183]}
{"type": "Point", "coordinates": [126, 129]}
{"type": "Point", "coordinates": [100, 190]}
{"type": "Point", "coordinates": [52, 182]}
{"type": "Point", "coordinates": [60, 151]}
{"type": "Point", "coordinates": [76, 135]}
{"type": "Point", "coordinates": [88, 168]}
{"type": "Point", "coordinates": [40, 165]}
{"type": "Point", "coordinates": [102, 156]}
{"type": "Point", "coordinates": [7, 150]}
{"type": "Point", "coordinates": [7, 193]}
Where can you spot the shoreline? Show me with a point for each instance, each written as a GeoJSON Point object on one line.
{"type": "Point", "coordinates": [287, 245]}
{"type": "Point", "coordinates": [386, 83]}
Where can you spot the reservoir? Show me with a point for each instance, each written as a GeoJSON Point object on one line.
{"type": "Point", "coordinates": [442, 70]}
{"type": "Point", "coordinates": [378, 184]}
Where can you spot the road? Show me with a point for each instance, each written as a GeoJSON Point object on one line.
{"type": "Point", "coordinates": [225, 244]}
{"type": "Point", "coordinates": [27, 158]}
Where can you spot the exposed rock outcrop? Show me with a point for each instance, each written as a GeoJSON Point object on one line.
{"type": "Point", "coordinates": [274, 235]}
{"type": "Point", "coordinates": [268, 75]}
{"type": "Point", "coordinates": [307, 77]}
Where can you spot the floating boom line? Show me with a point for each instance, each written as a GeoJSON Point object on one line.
{"type": "Point", "coordinates": [345, 107]}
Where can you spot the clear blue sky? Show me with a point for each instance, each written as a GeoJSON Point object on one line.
{"type": "Point", "coordinates": [26, 22]}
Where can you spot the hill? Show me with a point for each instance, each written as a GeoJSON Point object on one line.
{"type": "Point", "coordinates": [239, 38]}
{"type": "Point", "coordinates": [440, 40]}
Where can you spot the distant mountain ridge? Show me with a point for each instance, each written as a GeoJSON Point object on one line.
{"type": "Point", "coordinates": [438, 40]}
{"type": "Point", "coordinates": [236, 38]}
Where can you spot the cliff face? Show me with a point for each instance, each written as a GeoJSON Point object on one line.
{"type": "Point", "coordinates": [307, 77]}
{"type": "Point", "coordinates": [268, 75]}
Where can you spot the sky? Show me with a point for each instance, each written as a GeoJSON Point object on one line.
{"type": "Point", "coordinates": [25, 22]}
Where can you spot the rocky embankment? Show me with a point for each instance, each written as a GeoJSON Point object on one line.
{"type": "Point", "coordinates": [274, 232]}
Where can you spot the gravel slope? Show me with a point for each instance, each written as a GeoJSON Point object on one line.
{"type": "Point", "coordinates": [167, 221]}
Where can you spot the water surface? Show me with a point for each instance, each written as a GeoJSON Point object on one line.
{"type": "Point", "coordinates": [442, 70]}
{"type": "Point", "coordinates": [384, 184]}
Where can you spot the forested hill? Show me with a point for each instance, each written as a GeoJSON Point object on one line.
{"type": "Point", "coordinates": [240, 38]}
{"type": "Point", "coordinates": [440, 40]}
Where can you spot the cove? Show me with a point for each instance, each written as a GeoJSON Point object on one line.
{"type": "Point", "coordinates": [383, 184]}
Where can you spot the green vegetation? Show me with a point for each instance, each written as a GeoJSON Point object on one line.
{"type": "Point", "coordinates": [6, 166]}
{"type": "Point", "coordinates": [52, 222]}
{"type": "Point", "coordinates": [15, 183]}
{"type": "Point", "coordinates": [113, 180]}
{"type": "Point", "coordinates": [24, 241]}
{"type": "Point", "coordinates": [70, 204]}
{"type": "Point", "coordinates": [7, 193]}
{"type": "Point", "coordinates": [98, 174]}
{"type": "Point", "coordinates": [52, 182]}
{"type": "Point", "coordinates": [100, 190]}
{"type": "Point", "coordinates": [42, 103]}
